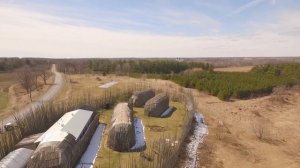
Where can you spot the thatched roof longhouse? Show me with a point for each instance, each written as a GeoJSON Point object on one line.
{"type": "Point", "coordinates": [121, 133]}
{"type": "Point", "coordinates": [63, 144]}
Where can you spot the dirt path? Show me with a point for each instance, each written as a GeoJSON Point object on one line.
{"type": "Point", "coordinates": [52, 92]}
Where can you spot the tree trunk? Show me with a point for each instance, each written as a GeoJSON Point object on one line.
{"type": "Point", "coordinates": [30, 94]}
{"type": "Point", "coordinates": [36, 81]}
{"type": "Point", "coordinates": [45, 77]}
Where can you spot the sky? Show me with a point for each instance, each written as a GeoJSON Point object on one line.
{"type": "Point", "coordinates": [149, 28]}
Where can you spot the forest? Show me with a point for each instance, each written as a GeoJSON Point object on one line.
{"type": "Point", "coordinates": [225, 85]}
{"type": "Point", "coordinates": [242, 85]}
{"type": "Point", "coordinates": [143, 66]}
{"type": "Point", "coordinates": [11, 64]}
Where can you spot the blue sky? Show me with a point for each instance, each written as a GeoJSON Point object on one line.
{"type": "Point", "coordinates": [157, 28]}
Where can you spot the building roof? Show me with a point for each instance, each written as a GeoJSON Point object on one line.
{"type": "Point", "coordinates": [72, 122]}
{"type": "Point", "coordinates": [16, 159]}
{"type": "Point", "coordinates": [77, 124]}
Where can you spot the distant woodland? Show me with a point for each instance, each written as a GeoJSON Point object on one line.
{"type": "Point", "coordinates": [225, 85]}
{"type": "Point", "coordinates": [259, 81]}
{"type": "Point", "coordinates": [12, 64]}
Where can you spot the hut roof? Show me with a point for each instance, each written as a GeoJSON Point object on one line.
{"type": "Point", "coordinates": [156, 106]}
{"type": "Point", "coordinates": [77, 124]}
{"type": "Point", "coordinates": [122, 114]}
{"type": "Point", "coordinates": [121, 133]}
{"type": "Point", "coordinates": [16, 159]}
{"type": "Point", "coordinates": [28, 142]}
{"type": "Point", "coordinates": [72, 122]}
{"type": "Point", "coordinates": [157, 98]}
{"type": "Point", "coordinates": [139, 98]}
{"type": "Point", "coordinates": [54, 151]}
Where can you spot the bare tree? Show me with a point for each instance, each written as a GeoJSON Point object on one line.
{"type": "Point", "coordinates": [27, 79]}
{"type": "Point", "coordinates": [45, 76]}
{"type": "Point", "coordinates": [118, 69]}
{"type": "Point", "coordinates": [126, 68]}
{"type": "Point", "coordinates": [36, 75]}
{"type": "Point", "coordinates": [41, 71]}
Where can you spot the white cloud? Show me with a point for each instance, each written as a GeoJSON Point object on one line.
{"type": "Point", "coordinates": [246, 6]}
{"type": "Point", "coordinates": [29, 34]}
{"type": "Point", "coordinates": [251, 4]}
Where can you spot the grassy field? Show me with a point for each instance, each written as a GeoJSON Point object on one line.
{"type": "Point", "coordinates": [3, 101]}
{"type": "Point", "coordinates": [6, 80]}
{"type": "Point", "coordinates": [235, 69]}
{"type": "Point", "coordinates": [155, 128]}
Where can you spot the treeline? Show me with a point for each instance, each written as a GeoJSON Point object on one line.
{"type": "Point", "coordinates": [144, 66]}
{"type": "Point", "coordinates": [259, 81]}
{"type": "Point", "coordinates": [11, 64]}
{"type": "Point", "coordinates": [28, 71]}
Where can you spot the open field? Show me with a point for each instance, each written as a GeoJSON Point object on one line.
{"type": "Point", "coordinates": [254, 133]}
{"type": "Point", "coordinates": [3, 101]}
{"type": "Point", "coordinates": [6, 80]}
{"type": "Point", "coordinates": [235, 69]}
{"type": "Point", "coordinates": [76, 85]}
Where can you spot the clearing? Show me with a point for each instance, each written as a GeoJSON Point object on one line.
{"type": "Point", "coordinates": [6, 80]}
{"type": "Point", "coordinates": [253, 133]}
{"type": "Point", "coordinates": [234, 69]}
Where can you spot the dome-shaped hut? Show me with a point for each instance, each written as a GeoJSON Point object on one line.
{"type": "Point", "coordinates": [54, 151]}
{"type": "Point", "coordinates": [121, 133]}
{"type": "Point", "coordinates": [138, 99]}
{"type": "Point", "coordinates": [157, 105]}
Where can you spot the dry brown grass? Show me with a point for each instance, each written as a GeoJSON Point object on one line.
{"type": "Point", "coordinates": [232, 142]}
{"type": "Point", "coordinates": [253, 133]}
{"type": "Point", "coordinates": [234, 69]}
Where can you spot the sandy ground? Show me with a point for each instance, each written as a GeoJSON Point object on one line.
{"type": "Point", "coordinates": [256, 133]}
{"type": "Point", "coordinates": [18, 97]}
{"type": "Point", "coordinates": [235, 69]}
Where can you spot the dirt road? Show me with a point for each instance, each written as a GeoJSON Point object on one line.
{"type": "Point", "coordinates": [49, 95]}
